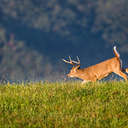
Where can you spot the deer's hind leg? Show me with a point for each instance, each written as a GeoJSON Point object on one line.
{"type": "Point", "coordinates": [120, 73]}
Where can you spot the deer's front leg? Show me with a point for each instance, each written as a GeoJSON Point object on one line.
{"type": "Point", "coordinates": [85, 81]}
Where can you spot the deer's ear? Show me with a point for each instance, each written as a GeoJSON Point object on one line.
{"type": "Point", "coordinates": [77, 67]}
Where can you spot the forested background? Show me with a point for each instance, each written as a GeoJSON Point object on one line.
{"type": "Point", "coordinates": [36, 34]}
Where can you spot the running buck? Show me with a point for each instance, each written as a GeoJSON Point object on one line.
{"type": "Point", "coordinates": [98, 71]}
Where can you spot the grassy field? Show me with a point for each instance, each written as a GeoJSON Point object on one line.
{"type": "Point", "coordinates": [64, 105]}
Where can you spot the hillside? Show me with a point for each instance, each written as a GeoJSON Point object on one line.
{"type": "Point", "coordinates": [64, 104]}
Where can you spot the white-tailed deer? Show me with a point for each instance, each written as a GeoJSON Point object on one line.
{"type": "Point", "coordinates": [98, 71]}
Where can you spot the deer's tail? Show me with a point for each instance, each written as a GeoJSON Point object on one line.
{"type": "Point", "coordinates": [118, 56]}
{"type": "Point", "coordinates": [115, 52]}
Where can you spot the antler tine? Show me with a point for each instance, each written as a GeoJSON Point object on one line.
{"type": "Point", "coordinates": [70, 61]}
{"type": "Point", "coordinates": [66, 61]}
{"type": "Point", "coordinates": [76, 62]}
{"type": "Point", "coordinates": [78, 59]}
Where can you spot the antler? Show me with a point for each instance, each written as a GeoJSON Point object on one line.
{"type": "Point", "coordinates": [72, 61]}
{"type": "Point", "coordinates": [78, 61]}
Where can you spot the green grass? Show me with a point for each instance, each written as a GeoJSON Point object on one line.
{"type": "Point", "coordinates": [64, 105]}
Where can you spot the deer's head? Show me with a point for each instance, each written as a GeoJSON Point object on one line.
{"type": "Point", "coordinates": [76, 65]}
